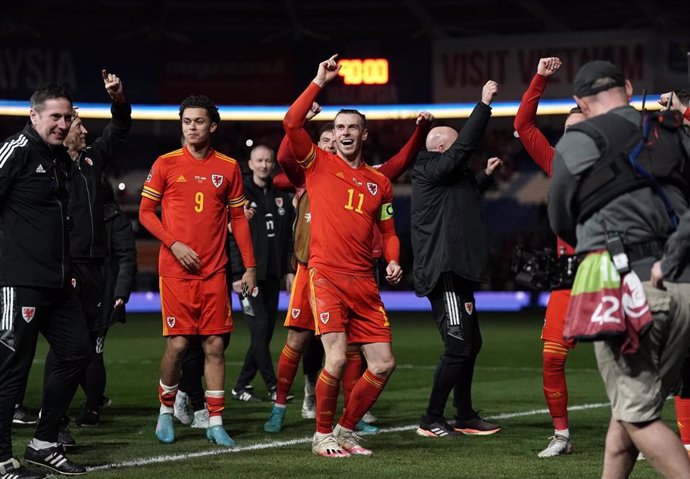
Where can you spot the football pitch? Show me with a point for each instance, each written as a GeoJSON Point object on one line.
{"type": "Point", "coordinates": [507, 388]}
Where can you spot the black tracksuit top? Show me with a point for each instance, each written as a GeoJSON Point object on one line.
{"type": "Point", "coordinates": [34, 246]}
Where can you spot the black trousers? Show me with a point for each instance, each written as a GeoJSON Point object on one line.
{"type": "Point", "coordinates": [57, 314]}
{"type": "Point", "coordinates": [312, 359]}
{"type": "Point", "coordinates": [452, 302]}
{"type": "Point", "coordinates": [89, 283]}
{"type": "Point", "coordinates": [260, 313]}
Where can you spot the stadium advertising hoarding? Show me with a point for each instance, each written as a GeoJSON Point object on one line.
{"type": "Point", "coordinates": [462, 66]}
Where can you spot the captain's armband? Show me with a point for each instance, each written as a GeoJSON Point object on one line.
{"type": "Point", "coordinates": [386, 211]}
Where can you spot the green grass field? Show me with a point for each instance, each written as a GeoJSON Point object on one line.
{"type": "Point", "coordinates": [507, 387]}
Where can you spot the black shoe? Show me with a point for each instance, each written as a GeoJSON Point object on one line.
{"type": "Point", "coordinates": [475, 426]}
{"type": "Point", "coordinates": [65, 438]}
{"type": "Point", "coordinates": [87, 418]}
{"type": "Point", "coordinates": [24, 416]}
{"type": "Point", "coordinates": [11, 469]}
{"type": "Point", "coordinates": [273, 395]}
{"type": "Point", "coordinates": [54, 459]}
{"type": "Point", "coordinates": [105, 402]}
{"type": "Point", "coordinates": [244, 395]}
{"type": "Point", "coordinates": [435, 429]}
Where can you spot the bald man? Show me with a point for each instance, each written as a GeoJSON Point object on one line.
{"type": "Point", "coordinates": [450, 255]}
{"type": "Point", "coordinates": [272, 237]}
{"type": "Point", "coordinates": [440, 138]}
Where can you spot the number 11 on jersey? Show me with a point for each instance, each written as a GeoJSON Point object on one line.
{"type": "Point", "coordinates": [351, 195]}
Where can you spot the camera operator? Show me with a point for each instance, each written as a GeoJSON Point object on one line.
{"type": "Point", "coordinates": [628, 215]}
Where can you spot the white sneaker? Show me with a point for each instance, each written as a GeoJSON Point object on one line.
{"type": "Point", "coordinates": [200, 419]}
{"type": "Point", "coordinates": [181, 409]}
{"type": "Point", "coordinates": [557, 446]}
{"type": "Point", "coordinates": [325, 445]}
{"type": "Point", "coordinates": [369, 418]}
{"type": "Point", "coordinates": [309, 407]}
{"type": "Point", "coordinates": [349, 440]}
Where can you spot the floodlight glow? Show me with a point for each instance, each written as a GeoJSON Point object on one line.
{"type": "Point", "coordinates": [276, 113]}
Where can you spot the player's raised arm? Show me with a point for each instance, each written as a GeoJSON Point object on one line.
{"type": "Point", "coordinates": [402, 160]}
{"type": "Point", "coordinates": [525, 122]}
{"type": "Point", "coordinates": [288, 162]}
{"type": "Point", "coordinates": [302, 146]}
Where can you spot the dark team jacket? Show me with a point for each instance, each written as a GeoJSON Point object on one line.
{"type": "Point", "coordinates": [34, 243]}
{"type": "Point", "coordinates": [448, 226]}
{"type": "Point", "coordinates": [120, 265]}
{"type": "Point", "coordinates": [87, 236]}
{"type": "Point", "coordinates": [277, 204]}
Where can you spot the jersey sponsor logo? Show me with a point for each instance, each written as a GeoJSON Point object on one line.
{"type": "Point", "coordinates": [386, 211]}
{"type": "Point", "coordinates": [88, 161]}
{"type": "Point", "coordinates": [181, 179]}
{"type": "Point", "coordinates": [324, 317]}
{"type": "Point", "coordinates": [150, 175]}
{"type": "Point", "coordinates": [40, 169]}
{"type": "Point", "coordinates": [296, 312]}
{"type": "Point", "coordinates": [170, 320]}
{"type": "Point", "coordinates": [356, 181]}
{"type": "Point", "coordinates": [28, 313]}
{"type": "Point", "coordinates": [200, 179]}
{"type": "Point", "coordinates": [340, 175]}
{"type": "Point", "coordinates": [373, 188]}
{"type": "Point", "coordinates": [217, 180]}
{"type": "Point", "coordinates": [469, 307]}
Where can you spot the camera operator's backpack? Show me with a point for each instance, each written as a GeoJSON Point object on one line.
{"type": "Point", "coordinates": [633, 158]}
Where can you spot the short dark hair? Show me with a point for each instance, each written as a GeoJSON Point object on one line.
{"type": "Point", "coordinates": [683, 95]}
{"type": "Point", "coordinates": [326, 127]}
{"type": "Point", "coordinates": [201, 101]}
{"type": "Point", "coordinates": [351, 111]}
{"type": "Point", "coordinates": [575, 109]}
{"type": "Point", "coordinates": [50, 91]}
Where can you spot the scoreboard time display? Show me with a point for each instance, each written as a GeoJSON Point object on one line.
{"type": "Point", "coordinates": [364, 71]}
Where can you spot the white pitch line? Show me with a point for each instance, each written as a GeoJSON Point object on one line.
{"type": "Point", "coordinates": [41, 361]}
{"type": "Point", "coordinates": [302, 440]}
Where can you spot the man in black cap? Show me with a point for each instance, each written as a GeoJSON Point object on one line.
{"type": "Point", "coordinates": [599, 200]}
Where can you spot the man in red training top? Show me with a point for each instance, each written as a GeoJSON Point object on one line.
{"type": "Point", "coordinates": [347, 199]}
{"type": "Point", "coordinates": [195, 187]}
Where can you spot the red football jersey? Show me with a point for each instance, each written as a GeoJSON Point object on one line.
{"type": "Point", "coordinates": [346, 203]}
{"type": "Point", "coordinates": [194, 196]}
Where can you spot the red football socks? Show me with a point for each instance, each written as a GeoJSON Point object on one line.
{"type": "Point", "coordinates": [288, 363]}
{"type": "Point", "coordinates": [555, 387]}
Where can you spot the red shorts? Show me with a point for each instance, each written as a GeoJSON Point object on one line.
{"type": "Point", "coordinates": [554, 321]}
{"type": "Point", "coordinates": [195, 306]}
{"type": "Point", "coordinates": [350, 304]}
{"type": "Point", "coordinates": [299, 313]}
